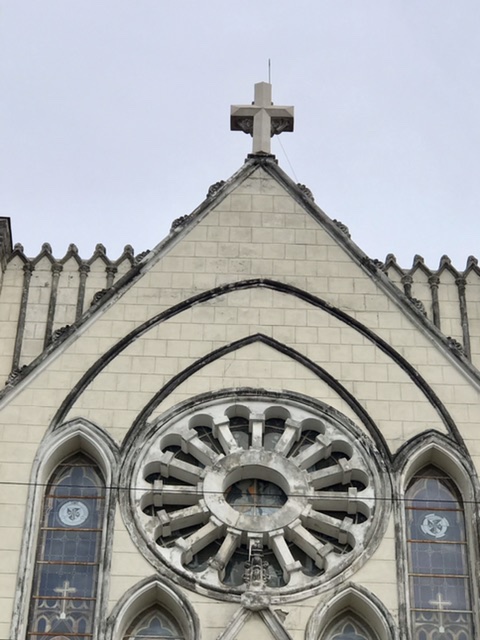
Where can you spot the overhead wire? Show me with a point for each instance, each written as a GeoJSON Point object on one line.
{"type": "Point", "coordinates": [176, 489]}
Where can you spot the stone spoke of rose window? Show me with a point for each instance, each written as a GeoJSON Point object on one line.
{"type": "Point", "coordinates": [343, 472]}
{"type": "Point", "coordinates": [257, 430]}
{"type": "Point", "coordinates": [190, 546]}
{"type": "Point", "coordinates": [318, 450]}
{"type": "Point", "coordinates": [222, 431]}
{"type": "Point", "coordinates": [228, 547]}
{"type": "Point", "coordinates": [171, 494]}
{"type": "Point", "coordinates": [171, 466]}
{"type": "Point", "coordinates": [193, 445]}
{"type": "Point", "coordinates": [162, 494]}
{"type": "Point", "coordinates": [168, 522]}
{"type": "Point", "coordinates": [290, 435]}
{"type": "Point", "coordinates": [291, 568]}
{"type": "Point", "coordinates": [349, 501]}
{"type": "Point", "coordinates": [341, 530]}
{"type": "Point", "coordinates": [308, 543]}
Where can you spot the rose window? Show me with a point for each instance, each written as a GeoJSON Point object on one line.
{"type": "Point", "coordinates": [298, 483]}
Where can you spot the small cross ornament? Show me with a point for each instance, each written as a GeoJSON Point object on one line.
{"type": "Point", "coordinates": [441, 604]}
{"type": "Point", "coordinates": [64, 593]}
{"type": "Point", "coordinates": [262, 119]}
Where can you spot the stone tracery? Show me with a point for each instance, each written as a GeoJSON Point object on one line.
{"type": "Point", "coordinates": [211, 486]}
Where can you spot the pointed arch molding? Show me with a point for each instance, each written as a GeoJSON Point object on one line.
{"type": "Point", "coordinates": [71, 437]}
{"type": "Point", "coordinates": [433, 448]}
{"type": "Point", "coordinates": [358, 601]}
{"type": "Point", "coordinates": [149, 592]}
{"type": "Point", "coordinates": [319, 371]}
{"type": "Point", "coordinates": [281, 287]}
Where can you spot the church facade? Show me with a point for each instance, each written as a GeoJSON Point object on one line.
{"type": "Point", "coordinates": [253, 430]}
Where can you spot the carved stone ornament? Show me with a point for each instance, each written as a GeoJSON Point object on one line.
{"type": "Point", "coordinates": [140, 256]}
{"type": "Point", "coordinates": [256, 566]}
{"type": "Point", "coordinates": [14, 375]}
{"type": "Point", "coordinates": [418, 304]}
{"type": "Point", "coordinates": [58, 333]}
{"type": "Point", "coordinates": [306, 191]}
{"type": "Point", "coordinates": [343, 228]}
{"type": "Point", "coordinates": [245, 125]}
{"type": "Point", "coordinates": [455, 344]}
{"type": "Point", "coordinates": [99, 295]}
{"type": "Point", "coordinates": [256, 600]}
{"type": "Point", "coordinates": [179, 222]}
{"type": "Point", "coordinates": [278, 125]}
{"type": "Point", "coordinates": [215, 188]}
{"type": "Point", "coordinates": [252, 494]}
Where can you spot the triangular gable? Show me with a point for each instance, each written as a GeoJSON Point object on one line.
{"type": "Point", "coordinates": [264, 624]}
{"type": "Point", "coordinates": [267, 167]}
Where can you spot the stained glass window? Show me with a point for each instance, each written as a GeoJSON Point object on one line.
{"type": "Point", "coordinates": [152, 624]}
{"type": "Point", "coordinates": [69, 553]}
{"type": "Point", "coordinates": [255, 497]}
{"type": "Point", "coordinates": [347, 628]}
{"type": "Point", "coordinates": [438, 570]}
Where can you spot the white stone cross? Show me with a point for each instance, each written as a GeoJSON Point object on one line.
{"type": "Point", "coordinates": [440, 602]}
{"type": "Point", "coordinates": [64, 591]}
{"type": "Point", "coordinates": [262, 119]}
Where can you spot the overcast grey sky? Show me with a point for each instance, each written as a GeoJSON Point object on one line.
{"type": "Point", "coordinates": [114, 116]}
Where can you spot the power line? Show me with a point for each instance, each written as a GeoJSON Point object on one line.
{"type": "Point", "coordinates": [177, 490]}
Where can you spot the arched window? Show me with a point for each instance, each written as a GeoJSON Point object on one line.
{"type": "Point", "coordinates": [69, 552]}
{"type": "Point", "coordinates": [438, 566]}
{"type": "Point", "coordinates": [349, 628]}
{"type": "Point", "coordinates": [154, 623]}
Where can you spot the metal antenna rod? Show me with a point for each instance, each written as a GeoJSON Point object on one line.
{"type": "Point", "coordinates": [269, 72]}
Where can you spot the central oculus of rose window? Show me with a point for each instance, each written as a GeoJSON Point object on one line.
{"type": "Point", "coordinates": [255, 497]}
{"type": "Point", "coordinates": [298, 482]}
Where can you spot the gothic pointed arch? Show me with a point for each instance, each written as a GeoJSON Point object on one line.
{"type": "Point", "coordinates": [258, 338]}
{"type": "Point", "coordinates": [353, 613]}
{"type": "Point", "coordinates": [153, 607]}
{"type": "Point", "coordinates": [65, 554]}
{"type": "Point", "coordinates": [439, 539]}
{"type": "Point", "coordinates": [221, 290]}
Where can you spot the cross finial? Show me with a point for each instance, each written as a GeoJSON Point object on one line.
{"type": "Point", "coordinates": [262, 119]}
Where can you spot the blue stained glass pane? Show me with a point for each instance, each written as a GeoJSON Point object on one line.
{"type": "Point", "coordinates": [255, 497]}
{"type": "Point", "coordinates": [442, 625]}
{"type": "Point", "coordinates": [435, 524]}
{"type": "Point", "coordinates": [432, 490]}
{"type": "Point", "coordinates": [155, 629]}
{"type": "Point", "coordinates": [81, 580]}
{"type": "Point", "coordinates": [437, 558]}
{"type": "Point", "coordinates": [348, 631]}
{"type": "Point", "coordinates": [440, 593]}
{"type": "Point", "coordinates": [154, 624]}
{"type": "Point", "coordinates": [78, 480]}
{"type": "Point", "coordinates": [437, 554]}
{"type": "Point", "coordinates": [66, 572]}
{"type": "Point", "coordinates": [39, 636]}
{"type": "Point", "coordinates": [65, 545]}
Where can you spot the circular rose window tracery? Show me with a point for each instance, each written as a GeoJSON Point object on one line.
{"type": "Point", "coordinates": [298, 483]}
